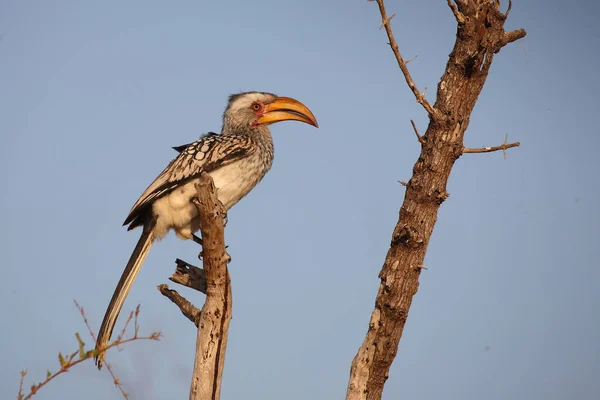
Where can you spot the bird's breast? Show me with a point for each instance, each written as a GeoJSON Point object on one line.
{"type": "Point", "coordinates": [235, 180]}
{"type": "Point", "coordinates": [175, 210]}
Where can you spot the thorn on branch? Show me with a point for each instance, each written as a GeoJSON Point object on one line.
{"type": "Point", "coordinates": [419, 137]}
{"type": "Point", "coordinates": [387, 21]}
{"type": "Point", "coordinates": [412, 59]}
{"type": "Point", "coordinates": [403, 183]}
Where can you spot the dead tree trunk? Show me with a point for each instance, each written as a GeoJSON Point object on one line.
{"type": "Point", "coordinates": [213, 320]}
{"type": "Point", "coordinates": [480, 35]}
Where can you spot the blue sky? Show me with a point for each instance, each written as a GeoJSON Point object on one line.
{"type": "Point", "coordinates": [94, 95]}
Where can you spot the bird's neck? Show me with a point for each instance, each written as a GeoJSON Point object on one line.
{"type": "Point", "coordinates": [261, 133]}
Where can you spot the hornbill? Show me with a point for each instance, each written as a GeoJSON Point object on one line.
{"type": "Point", "coordinates": [236, 159]}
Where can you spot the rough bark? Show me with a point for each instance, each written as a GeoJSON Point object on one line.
{"type": "Point", "coordinates": [213, 319]}
{"type": "Point", "coordinates": [215, 315]}
{"type": "Point", "coordinates": [480, 35]}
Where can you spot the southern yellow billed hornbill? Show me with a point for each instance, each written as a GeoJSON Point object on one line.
{"type": "Point", "coordinates": [237, 159]}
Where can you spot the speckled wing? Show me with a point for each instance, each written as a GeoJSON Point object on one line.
{"type": "Point", "coordinates": [204, 155]}
{"type": "Point", "coordinates": [182, 147]}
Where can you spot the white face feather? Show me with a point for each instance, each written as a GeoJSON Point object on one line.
{"type": "Point", "coordinates": [239, 112]}
{"type": "Point", "coordinates": [246, 100]}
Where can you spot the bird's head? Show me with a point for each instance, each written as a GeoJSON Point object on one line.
{"type": "Point", "coordinates": [253, 110]}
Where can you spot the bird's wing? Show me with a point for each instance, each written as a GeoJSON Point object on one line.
{"type": "Point", "coordinates": [204, 155]}
{"type": "Point", "coordinates": [182, 147]}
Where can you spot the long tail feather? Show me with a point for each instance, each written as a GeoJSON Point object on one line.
{"type": "Point", "coordinates": [122, 290]}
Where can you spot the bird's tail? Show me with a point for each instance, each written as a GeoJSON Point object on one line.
{"type": "Point", "coordinates": [129, 274]}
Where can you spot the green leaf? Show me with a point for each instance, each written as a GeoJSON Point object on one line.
{"type": "Point", "coordinates": [48, 374]}
{"type": "Point", "coordinates": [81, 345]}
{"type": "Point", "coordinates": [61, 360]}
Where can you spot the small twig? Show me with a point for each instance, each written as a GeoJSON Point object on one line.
{"type": "Point", "coordinates": [67, 361]}
{"type": "Point", "coordinates": [117, 343]}
{"type": "Point", "coordinates": [116, 381]}
{"type": "Point", "coordinates": [457, 14]}
{"type": "Point", "coordinates": [508, 9]}
{"type": "Point", "coordinates": [124, 330]}
{"type": "Point", "coordinates": [419, 137]}
{"type": "Point", "coordinates": [412, 59]}
{"type": "Point", "coordinates": [403, 183]}
{"type": "Point", "coordinates": [190, 311]}
{"type": "Point", "coordinates": [512, 36]}
{"type": "Point", "coordinates": [20, 394]}
{"type": "Point", "coordinates": [502, 147]}
{"type": "Point", "coordinates": [385, 22]}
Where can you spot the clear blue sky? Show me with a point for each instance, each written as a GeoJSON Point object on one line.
{"type": "Point", "coordinates": [93, 94]}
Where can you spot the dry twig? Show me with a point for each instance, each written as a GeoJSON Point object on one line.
{"type": "Point", "coordinates": [419, 137]}
{"type": "Point", "coordinates": [457, 14]}
{"type": "Point", "coordinates": [420, 97]}
{"type": "Point", "coordinates": [504, 146]}
{"type": "Point", "coordinates": [68, 361]}
{"type": "Point", "coordinates": [190, 311]}
{"type": "Point", "coordinates": [189, 275]}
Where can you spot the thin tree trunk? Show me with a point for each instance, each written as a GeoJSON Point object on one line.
{"type": "Point", "coordinates": [480, 35]}
{"type": "Point", "coordinates": [213, 319]}
{"type": "Point", "coordinates": [215, 315]}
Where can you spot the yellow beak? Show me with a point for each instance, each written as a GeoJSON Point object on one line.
{"type": "Point", "coordinates": [286, 109]}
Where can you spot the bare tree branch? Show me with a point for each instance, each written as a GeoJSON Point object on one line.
{"type": "Point", "coordinates": [511, 36]}
{"type": "Point", "coordinates": [214, 318]}
{"type": "Point", "coordinates": [504, 146]}
{"type": "Point", "coordinates": [189, 275]}
{"type": "Point", "coordinates": [190, 311]}
{"type": "Point", "coordinates": [385, 22]}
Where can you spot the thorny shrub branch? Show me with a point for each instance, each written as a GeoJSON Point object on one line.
{"type": "Point", "coordinates": [67, 361]}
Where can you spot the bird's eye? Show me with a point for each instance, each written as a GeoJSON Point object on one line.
{"type": "Point", "coordinates": [257, 106]}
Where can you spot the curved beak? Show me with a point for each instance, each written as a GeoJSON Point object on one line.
{"type": "Point", "coordinates": [286, 109]}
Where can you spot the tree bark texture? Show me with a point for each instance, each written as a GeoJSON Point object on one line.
{"type": "Point", "coordinates": [213, 321]}
{"type": "Point", "coordinates": [480, 35]}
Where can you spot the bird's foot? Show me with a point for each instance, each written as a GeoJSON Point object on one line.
{"type": "Point", "coordinates": [225, 218]}
{"type": "Point", "coordinates": [227, 256]}
{"type": "Point", "coordinates": [197, 239]}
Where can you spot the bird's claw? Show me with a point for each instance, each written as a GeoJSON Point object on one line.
{"type": "Point", "coordinates": [225, 218]}
{"type": "Point", "coordinates": [227, 256]}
